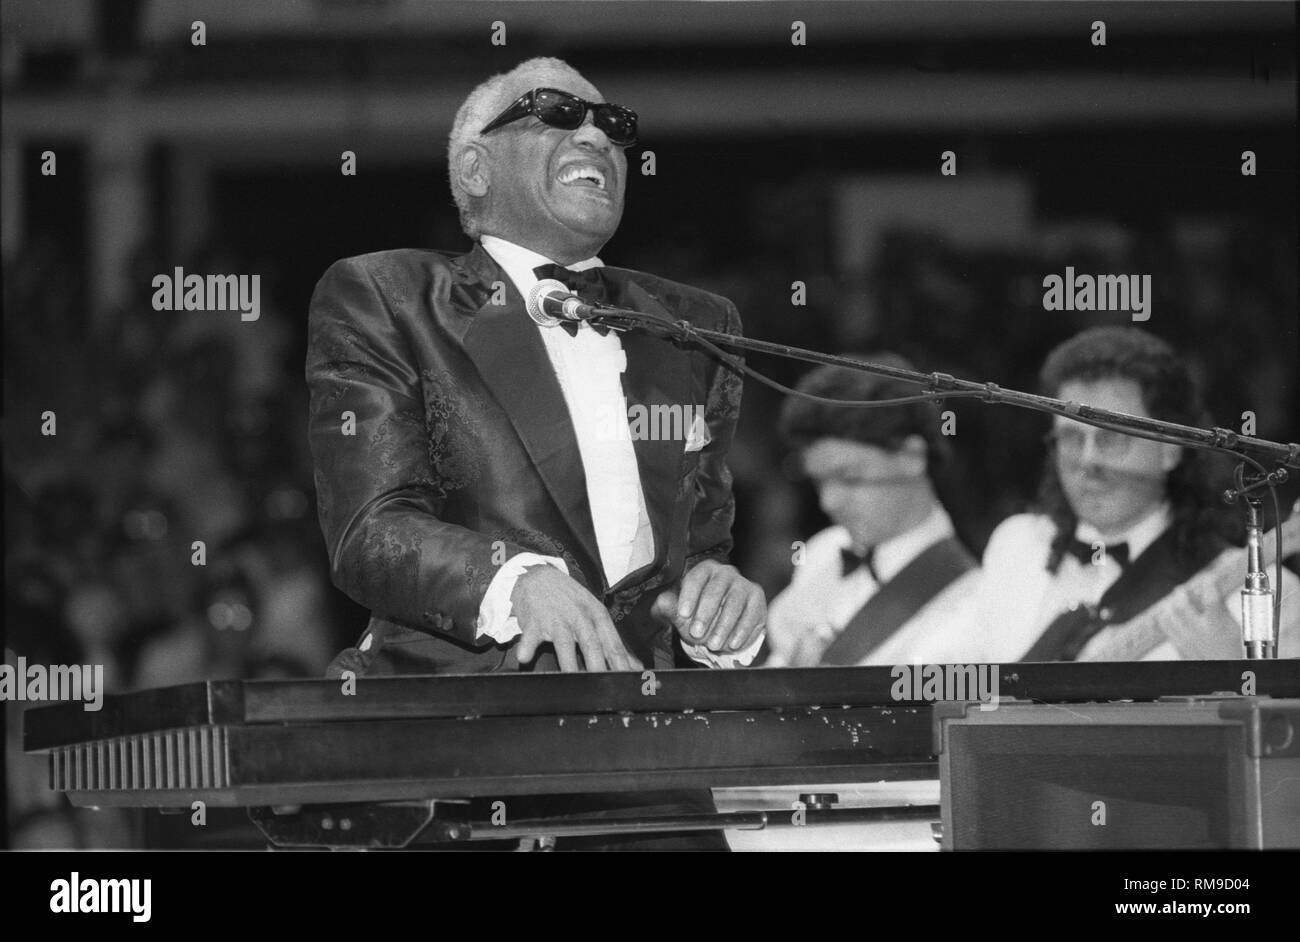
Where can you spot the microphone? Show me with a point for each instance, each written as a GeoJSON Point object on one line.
{"type": "Point", "coordinates": [1256, 595]}
{"type": "Point", "coordinates": [550, 302]}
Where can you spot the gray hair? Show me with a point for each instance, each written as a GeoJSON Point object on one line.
{"type": "Point", "coordinates": [477, 110]}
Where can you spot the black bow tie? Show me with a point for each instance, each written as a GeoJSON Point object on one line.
{"type": "Point", "coordinates": [588, 284]}
{"type": "Point", "coordinates": [1084, 552]}
{"type": "Point", "coordinates": [851, 561]}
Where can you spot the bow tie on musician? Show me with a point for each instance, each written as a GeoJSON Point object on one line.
{"type": "Point", "coordinates": [1096, 552]}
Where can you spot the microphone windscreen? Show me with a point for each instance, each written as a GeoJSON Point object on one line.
{"type": "Point", "coordinates": [538, 297]}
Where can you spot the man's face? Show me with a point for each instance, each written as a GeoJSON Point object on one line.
{"type": "Point", "coordinates": [1112, 481]}
{"type": "Point", "coordinates": [556, 192]}
{"type": "Point", "coordinates": [868, 490]}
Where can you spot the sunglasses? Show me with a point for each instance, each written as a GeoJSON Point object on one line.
{"type": "Point", "coordinates": [567, 112]}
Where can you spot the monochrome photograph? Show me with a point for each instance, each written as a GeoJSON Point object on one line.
{"type": "Point", "coordinates": [789, 426]}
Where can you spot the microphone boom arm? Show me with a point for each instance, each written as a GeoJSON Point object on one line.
{"type": "Point", "coordinates": [941, 384]}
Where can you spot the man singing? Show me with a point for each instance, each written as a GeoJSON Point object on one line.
{"type": "Point", "coordinates": [469, 488]}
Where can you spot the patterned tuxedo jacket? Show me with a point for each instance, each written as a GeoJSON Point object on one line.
{"type": "Point", "coordinates": [462, 453]}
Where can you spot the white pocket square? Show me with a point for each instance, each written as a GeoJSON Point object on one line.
{"type": "Point", "coordinates": [698, 436]}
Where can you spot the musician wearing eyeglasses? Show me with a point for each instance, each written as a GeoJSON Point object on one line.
{"type": "Point", "coordinates": [1126, 526]}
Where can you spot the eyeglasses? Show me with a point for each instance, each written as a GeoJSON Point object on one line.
{"type": "Point", "coordinates": [1072, 442]}
{"type": "Point", "coordinates": [567, 112]}
{"type": "Point", "coordinates": [863, 480]}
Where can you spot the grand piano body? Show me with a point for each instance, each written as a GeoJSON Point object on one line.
{"type": "Point", "coordinates": [389, 762]}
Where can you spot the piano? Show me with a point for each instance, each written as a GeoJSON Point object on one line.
{"type": "Point", "coordinates": [387, 762]}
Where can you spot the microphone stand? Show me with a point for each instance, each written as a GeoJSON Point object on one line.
{"type": "Point", "coordinates": [1259, 633]}
{"type": "Point", "coordinates": [1259, 629]}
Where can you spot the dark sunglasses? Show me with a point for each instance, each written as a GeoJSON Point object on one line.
{"type": "Point", "coordinates": [567, 112]}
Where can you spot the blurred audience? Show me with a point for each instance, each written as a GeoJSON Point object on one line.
{"type": "Point", "coordinates": [171, 428]}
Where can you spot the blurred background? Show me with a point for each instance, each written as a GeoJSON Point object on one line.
{"type": "Point", "coordinates": [774, 163]}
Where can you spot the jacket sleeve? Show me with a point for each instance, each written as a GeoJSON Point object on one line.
{"type": "Point", "coordinates": [378, 497]}
{"type": "Point", "coordinates": [709, 535]}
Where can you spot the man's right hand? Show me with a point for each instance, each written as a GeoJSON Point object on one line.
{"type": "Point", "coordinates": [552, 607]}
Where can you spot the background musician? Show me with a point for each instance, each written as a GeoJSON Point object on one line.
{"type": "Point", "coordinates": [1123, 521]}
{"type": "Point", "coordinates": [889, 581]}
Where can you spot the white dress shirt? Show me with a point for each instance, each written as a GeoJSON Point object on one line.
{"type": "Point", "coordinates": [821, 599]}
{"type": "Point", "coordinates": [1019, 598]}
{"type": "Point", "coordinates": [589, 369]}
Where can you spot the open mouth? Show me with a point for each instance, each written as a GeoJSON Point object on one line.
{"type": "Point", "coordinates": [582, 175]}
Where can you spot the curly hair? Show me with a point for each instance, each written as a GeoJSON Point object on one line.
{"type": "Point", "coordinates": [1170, 392]}
{"type": "Point", "coordinates": [803, 422]}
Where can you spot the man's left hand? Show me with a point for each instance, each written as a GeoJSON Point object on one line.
{"type": "Point", "coordinates": [716, 606]}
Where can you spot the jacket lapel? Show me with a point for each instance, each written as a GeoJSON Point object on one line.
{"type": "Point", "coordinates": [504, 345]}
{"type": "Point", "coordinates": [658, 374]}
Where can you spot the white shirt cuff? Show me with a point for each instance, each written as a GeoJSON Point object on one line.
{"type": "Point", "coordinates": [494, 618]}
{"type": "Point", "coordinates": [742, 658]}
